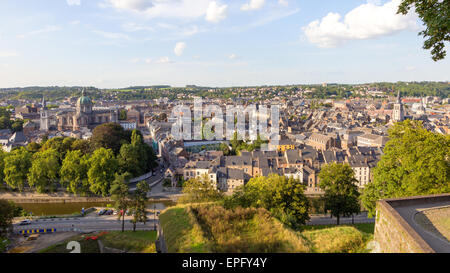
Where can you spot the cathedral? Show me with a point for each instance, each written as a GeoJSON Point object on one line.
{"type": "Point", "coordinates": [84, 116]}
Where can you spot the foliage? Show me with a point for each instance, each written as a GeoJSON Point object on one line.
{"type": "Point", "coordinates": [283, 197]}
{"type": "Point", "coordinates": [120, 195]}
{"type": "Point", "coordinates": [82, 145]}
{"type": "Point", "coordinates": [17, 164]}
{"type": "Point", "coordinates": [110, 136]}
{"type": "Point", "coordinates": [103, 166]}
{"type": "Point", "coordinates": [341, 192]}
{"type": "Point", "coordinates": [406, 170]}
{"type": "Point", "coordinates": [6, 217]}
{"type": "Point", "coordinates": [139, 203]}
{"type": "Point", "coordinates": [435, 14]}
{"type": "Point", "coordinates": [247, 230]}
{"type": "Point", "coordinates": [44, 170]}
{"type": "Point", "coordinates": [74, 171]}
{"type": "Point", "coordinates": [197, 190]}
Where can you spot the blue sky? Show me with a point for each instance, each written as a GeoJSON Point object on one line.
{"type": "Point", "coordinates": [120, 43]}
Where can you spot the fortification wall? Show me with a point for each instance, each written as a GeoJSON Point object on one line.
{"type": "Point", "coordinates": [393, 234]}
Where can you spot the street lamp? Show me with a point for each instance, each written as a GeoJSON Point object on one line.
{"type": "Point", "coordinates": [154, 216]}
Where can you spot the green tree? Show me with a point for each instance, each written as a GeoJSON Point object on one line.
{"type": "Point", "coordinates": [139, 203]}
{"type": "Point", "coordinates": [198, 190]}
{"type": "Point", "coordinates": [82, 145]}
{"type": "Point", "coordinates": [2, 167]}
{"type": "Point", "coordinates": [110, 136]}
{"type": "Point", "coordinates": [123, 114]}
{"type": "Point", "coordinates": [33, 147]}
{"type": "Point", "coordinates": [44, 171]}
{"type": "Point", "coordinates": [120, 195]}
{"type": "Point", "coordinates": [435, 14]}
{"type": "Point", "coordinates": [341, 190]}
{"type": "Point", "coordinates": [17, 126]}
{"type": "Point", "coordinates": [6, 217]}
{"type": "Point", "coordinates": [17, 165]}
{"type": "Point", "coordinates": [130, 160]}
{"type": "Point", "coordinates": [283, 197]}
{"type": "Point", "coordinates": [74, 172]}
{"type": "Point", "coordinates": [415, 162]}
{"type": "Point", "coordinates": [103, 166]}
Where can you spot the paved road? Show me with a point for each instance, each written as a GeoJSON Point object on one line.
{"type": "Point", "coordinates": [87, 224]}
{"type": "Point", "coordinates": [326, 220]}
{"type": "Point", "coordinates": [408, 213]}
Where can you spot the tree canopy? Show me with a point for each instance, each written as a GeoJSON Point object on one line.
{"type": "Point", "coordinates": [283, 197]}
{"type": "Point", "coordinates": [341, 192]}
{"type": "Point", "coordinates": [415, 162]}
{"type": "Point", "coordinates": [436, 17]}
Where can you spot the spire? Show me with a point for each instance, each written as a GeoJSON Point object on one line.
{"type": "Point", "coordinates": [398, 97]}
{"type": "Point", "coordinates": [82, 92]}
{"type": "Point", "coordinates": [44, 103]}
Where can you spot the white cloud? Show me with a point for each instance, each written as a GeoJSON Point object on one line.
{"type": "Point", "coordinates": [136, 5]}
{"type": "Point", "coordinates": [284, 3]}
{"type": "Point", "coordinates": [73, 2]}
{"type": "Point", "coordinates": [216, 12]}
{"type": "Point", "coordinates": [253, 5]}
{"type": "Point", "coordinates": [164, 60]}
{"type": "Point", "coordinates": [46, 29]}
{"type": "Point", "coordinates": [364, 22]}
{"type": "Point", "coordinates": [233, 57]}
{"type": "Point", "coordinates": [179, 48]}
{"type": "Point", "coordinates": [180, 9]}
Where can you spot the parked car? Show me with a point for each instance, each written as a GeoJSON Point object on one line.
{"type": "Point", "coordinates": [25, 222]}
{"type": "Point", "coordinates": [109, 212]}
{"type": "Point", "coordinates": [102, 212]}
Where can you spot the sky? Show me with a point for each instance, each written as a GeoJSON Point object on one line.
{"type": "Point", "coordinates": [216, 43]}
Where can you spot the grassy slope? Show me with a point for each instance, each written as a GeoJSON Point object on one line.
{"type": "Point", "coordinates": [181, 232]}
{"type": "Point", "coordinates": [219, 232]}
{"type": "Point", "coordinates": [129, 241]}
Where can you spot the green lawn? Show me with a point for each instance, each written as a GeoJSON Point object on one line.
{"type": "Point", "coordinates": [129, 241]}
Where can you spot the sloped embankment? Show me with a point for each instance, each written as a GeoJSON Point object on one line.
{"type": "Point", "coordinates": [212, 228]}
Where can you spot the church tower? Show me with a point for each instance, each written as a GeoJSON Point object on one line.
{"type": "Point", "coordinates": [398, 113]}
{"type": "Point", "coordinates": [44, 119]}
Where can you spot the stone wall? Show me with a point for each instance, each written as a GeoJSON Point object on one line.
{"type": "Point", "coordinates": [393, 234]}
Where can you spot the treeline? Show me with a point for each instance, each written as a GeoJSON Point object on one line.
{"type": "Point", "coordinates": [81, 166]}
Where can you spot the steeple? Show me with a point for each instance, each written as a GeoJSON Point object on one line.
{"type": "Point", "coordinates": [398, 97]}
{"type": "Point", "coordinates": [44, 103]}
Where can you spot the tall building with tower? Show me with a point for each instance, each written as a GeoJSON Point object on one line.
{"type": "Point", "coordinates": [44, 118]}
{"type": "Point", "coordinates": [399, 113]}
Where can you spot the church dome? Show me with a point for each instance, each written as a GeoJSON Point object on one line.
{"type": "Point", "coordinates": [84, 100]}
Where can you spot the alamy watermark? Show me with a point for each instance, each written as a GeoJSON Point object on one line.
{"type": "Point", "coordinates": [207, 123]}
